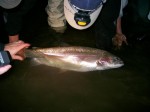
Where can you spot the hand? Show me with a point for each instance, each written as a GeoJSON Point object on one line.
{"type": "Point", "coordinates": [4, 69]}
{"type": "Point", "coordinates": [118, 40]}
{"type": "Point", "coordinates": [15, 48]}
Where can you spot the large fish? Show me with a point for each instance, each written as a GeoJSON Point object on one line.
{"type": "Point", "coordinates": [75, 58]}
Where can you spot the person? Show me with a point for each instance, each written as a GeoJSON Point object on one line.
{"type": "Point", "coordinates": [13, 49]}
{"type": "Point", "coordinates": [81, 14]}
{"type": "Point", "coordinates": [56, 18]}
{"type": "Point", "coordinates": [119, 37]}
{"type": "Point", "coordinates": [14, 18]}
{"type": "Point", "coordinates": [102, 14]}
{"type": "Point", "coordinates": [108, 30]}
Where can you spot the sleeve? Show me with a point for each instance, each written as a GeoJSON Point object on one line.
{"type": "Point", "coordinates": [1, 47]}
{"type": "Point", "coordinates": [123, 5]}
{"type": "Point", "coordinates": [5, 58]}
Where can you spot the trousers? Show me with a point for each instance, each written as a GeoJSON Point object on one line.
{"type": "Point", "coordinates": [55, 12]}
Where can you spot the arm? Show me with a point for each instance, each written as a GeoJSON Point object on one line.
{"type": "Point", "coordinates": [118, 26]}
{"type": "Point", "coordinates": [119, 38]}
{"type": "Point", "coordinates": [13, 49]}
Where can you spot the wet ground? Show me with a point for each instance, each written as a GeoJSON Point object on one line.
{"type": "Point", "coordinates": [27, 88]}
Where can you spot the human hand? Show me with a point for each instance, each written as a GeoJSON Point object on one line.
{"type": "Point", "coordinates": [4, 69]}
{"type": "Point", "coordinates": [15, 48]}
{"type": "Point", "coordinates": [118, 40]}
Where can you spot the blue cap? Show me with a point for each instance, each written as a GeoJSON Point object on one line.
{"type": "Point", "coordinates": [86, 4]}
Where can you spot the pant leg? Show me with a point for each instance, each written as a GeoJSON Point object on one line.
{"type": "Point", "coordinates": [105, 28]}
{"type": "Point", "coordinates": [143, 8]}
{"type": "Point", "coordinates": [14, 18]}
{"type": "Point", "coordinates": [55, 11]}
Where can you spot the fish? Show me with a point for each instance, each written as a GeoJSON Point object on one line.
{"type": "Point", "coordinates": [75, 58]}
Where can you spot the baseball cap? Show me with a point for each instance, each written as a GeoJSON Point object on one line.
{"type": "Point", "coordinates": [86, 4]}
{"type": "Point", "coordinates": [8, 4]}
{"type": "Point", "coordinates": [81, 14]}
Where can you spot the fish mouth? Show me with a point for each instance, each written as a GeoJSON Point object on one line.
{"type": "Point", "coordinates": [122, 63]}
{"type": "Point", "coordinates": [118, 63]}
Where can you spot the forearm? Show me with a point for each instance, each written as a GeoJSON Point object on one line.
{"type": "Point", "coordinates": [118, 27]}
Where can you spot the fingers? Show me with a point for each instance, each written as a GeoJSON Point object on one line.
{"type": "Point", "coordinates": [4, 69]}
{"type": "Point", "coordinates": [20, 51]}
{"type": "Point", "coordinates": [125, 39]}
{"type": "Point", "coordinates": [16, 49]}
{"type": "Point", "coordinates": [118, 40]}
{"type": "Point", "coordinates": [21, 46]}
{"type": "Point", "coordinates": [19, 41]}
{"type": "Point", "coordinates": [17, 57]}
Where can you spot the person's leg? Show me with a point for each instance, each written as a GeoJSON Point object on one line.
{"type": "Point", "coordinates": [56, 17]}
{"type": "Point", "coordinates": [104, 27]}
{"type": "Point", "coordinates": [14, 19]}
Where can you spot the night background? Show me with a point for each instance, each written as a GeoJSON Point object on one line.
{"type": "Point", "coordinates": [27, 88]}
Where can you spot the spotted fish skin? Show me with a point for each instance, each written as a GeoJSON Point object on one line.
{"type": "Point", "coordinates": [75, 58]}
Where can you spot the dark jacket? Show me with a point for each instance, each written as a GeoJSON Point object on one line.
{"type": "Point", "coordinates": [1, 47]}
{"type": "Point", "coordinates": [5, 57]}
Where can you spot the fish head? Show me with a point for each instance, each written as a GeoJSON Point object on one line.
{"type": "Point", "coordinates": [109, 62]}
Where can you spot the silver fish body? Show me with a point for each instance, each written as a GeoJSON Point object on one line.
{"type": "Point", "coordinates": [75, 58]}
